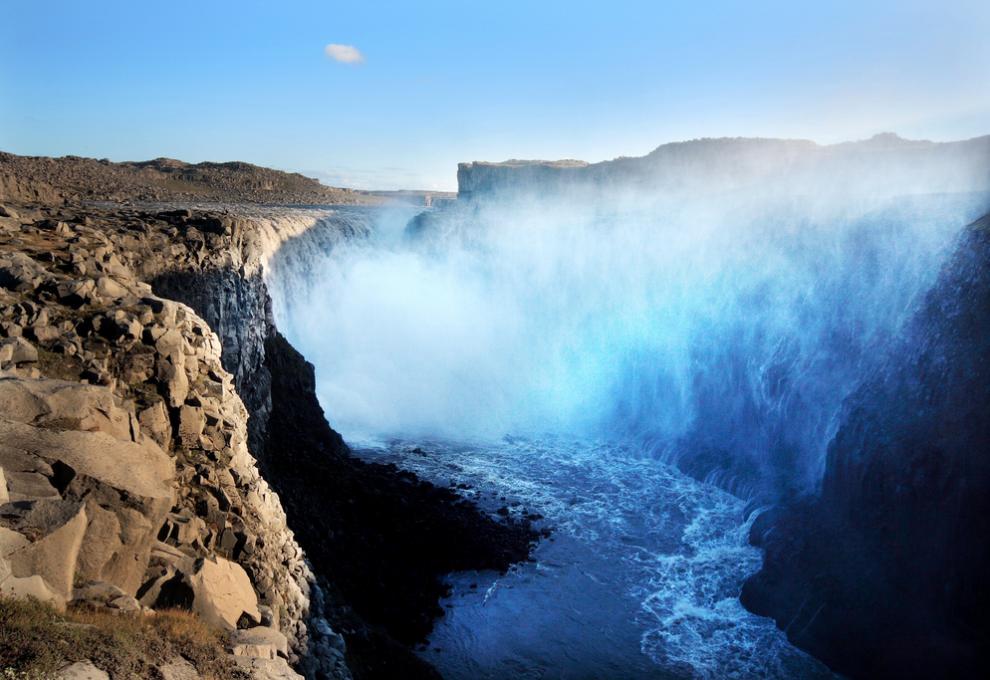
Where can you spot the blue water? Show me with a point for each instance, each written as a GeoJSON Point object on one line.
{"type": "Point", "coordinates": [640, 578]}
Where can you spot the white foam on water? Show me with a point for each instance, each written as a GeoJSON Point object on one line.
{"type": "Point", "coordinates": [641, 581]}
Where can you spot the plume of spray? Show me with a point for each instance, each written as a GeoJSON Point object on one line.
{"type": "Point", "coordinates": [719, 325]}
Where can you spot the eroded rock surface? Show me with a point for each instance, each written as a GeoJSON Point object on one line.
{"type": "Point", "coordinates": [80, 325]}
{"type": "Point", "coordinates": [127, 479]}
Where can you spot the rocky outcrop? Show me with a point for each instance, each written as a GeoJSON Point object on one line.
{"type": "Point", "coordinates": [884, 573]}
{"type": "Point", "coordinates": [86, 490]}
{"type": "Point", "coordinates": [88, 299]}
{"type": "Point", "coordinates": [123, 441]}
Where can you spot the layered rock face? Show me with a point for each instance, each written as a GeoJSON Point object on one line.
{"type": "Point", "coordinates": [86, 491]}
{"type": "Point", "coordinates": [123, 442]}
{"type": "Point", "coordinates": [884, 574]}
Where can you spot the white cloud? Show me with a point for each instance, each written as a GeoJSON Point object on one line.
{"type": "Point", "coordinates": [346, 54]}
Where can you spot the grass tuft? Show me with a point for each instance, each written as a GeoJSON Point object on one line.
{"type": "Point", "coordinates": [36, 641]}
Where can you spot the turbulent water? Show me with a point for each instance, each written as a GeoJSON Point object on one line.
{"type": "Point", "coordinates": [588, 358]}
{"type": "Point", "coordinates": [639, 580]}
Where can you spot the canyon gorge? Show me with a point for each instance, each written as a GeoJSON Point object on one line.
{"type": "Point", "coordinates": [719, 411]}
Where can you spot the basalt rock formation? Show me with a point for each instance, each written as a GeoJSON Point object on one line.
{"type": "Point", "coordinates": [400, 535]}
{"type": "Point", "coordinates": [884, 573]}
{"type": "Point", "coordinates": [123, 442]}
{"type": "Point", "coordinates": [148, 402]}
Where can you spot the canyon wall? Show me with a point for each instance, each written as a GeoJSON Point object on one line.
{"type": "Point", "coordinates": [128, 478]}
{"type": "Point", "coordinates": [879, 566]}
{"type": "Point", "coordinates": [884, 573]}
{"type": "Point", "coordinates": [380, 540]}
{"type": "Point", "coordinates": [158, 324]}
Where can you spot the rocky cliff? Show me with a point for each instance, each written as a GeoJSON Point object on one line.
{"type": "Point", "coordinates": [144, 384]}
{"type": "Point", "coordinates": [124, 451]}
{"type": "Point", "coordinates": [883, 163]}
{"type": "Point", "coordinates": [381, 540]}
{"type": "Point", "coordinates": [884, 573]}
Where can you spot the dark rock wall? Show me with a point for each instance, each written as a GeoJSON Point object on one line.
{"type": "Point", "coordinates": [238, 309]}
{"type": "Point", "coordinates": [884, 574]}
{"type": "Point", "coordinates": [380, 540]}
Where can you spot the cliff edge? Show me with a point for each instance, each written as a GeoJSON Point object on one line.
{"type": "Point", "coordinates": [152, 417]}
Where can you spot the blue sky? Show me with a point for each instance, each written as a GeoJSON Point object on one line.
{"type": "Point", "coordinates": [443, 82]}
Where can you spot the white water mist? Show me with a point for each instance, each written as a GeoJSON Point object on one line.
{"type": "Point", "coordinates": [726, 330]}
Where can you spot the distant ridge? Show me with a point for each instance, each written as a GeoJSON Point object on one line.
{"type": "Point", "coordinates": [55, 180]}
{"type": "Point", "coordinates": [882, 162]}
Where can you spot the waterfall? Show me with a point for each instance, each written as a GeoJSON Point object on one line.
{"type": "Point", "coordinates": [722, 332]}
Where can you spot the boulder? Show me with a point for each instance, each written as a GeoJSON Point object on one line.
{"type": "Point", "coordinates": [90, 498]}
{"type": "Point", "coordinates": [178, 669]}
{"type": "Point", "coordinates": [108, 288]}
{"type": "Point", "coordinates": [76, 293]}
{"type": "Point", "coordinates": [126, 604]}
{"type": "Point", "coordinates": [154, 421]}
{"type": "Point", "coordinates": [16, 351]}
{"type": "Point", "coordinates": [266, 669]}
{"type": "Point", "coordinates": [172, 372]}
{"type": "Point", "coordinates": [260, 642]}
{"type": "Point", "coordinates": [223, 593]}
{"type": "Point", "coordinates": [65, 405]}
{"type": "Point", "coordinates": [20, 272]}
{"type": "Point", "coordinates": [96, 594]}
{"type": "Point", "coordinates": [55, 531]}
{"type": "Point", "coordinates": [28, 587]}
{"type": "Point", "coordinates": [82, 670]}
{"type": "Point", "coordinates": [191, 424]}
